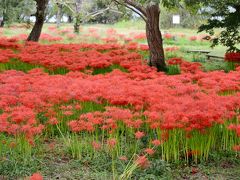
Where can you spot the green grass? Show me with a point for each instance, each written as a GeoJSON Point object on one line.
{"type": "Point", "coordinates": [55, 163]}
{"type": "Point", "coordinates": [17, 157]}
{"type": "Point", "coordinates": [15, 64]}
{"type": "Point", "coordinates": [173, 70]}
{"type": "Point", "coordinates": [108, 69]}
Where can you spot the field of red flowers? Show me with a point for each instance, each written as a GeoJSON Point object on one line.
{"type": "Point", "coordinates": [104, 98]}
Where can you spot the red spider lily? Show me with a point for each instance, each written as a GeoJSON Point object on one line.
{"type": "Point", "coordinates": [92, 30]}
{"type": "Point", "coordinates": [111, 31]}
{"type": "Point", "coordinates": [235, 127]}
{"type": "Point", "coordinates": [171, 49]}
{"type": "Point", "coordinates": [71, 36]}
{"type": "Point", "coordinates": [139, 134]}
{"type": "Point", "coordinates": [142, 162]}
{"type": "Point", "coordinates": [149, 151]}
{"type": "Point", "coordinates": [232, 57]}
{"type": "Point", "coordinates": [123, 158]}
{"type": "Point", "coordinates": [140, 36]}
{"type": "Point", "coordinates": [194, 170]}
{"type": "Point", "coordinates": [64, 31]}
{"type": "Point", "coordinates": [168, 36]}
{"type": "Point", "coordinates": [12, 145]}
{"type": "Point", "coordinates": [144, 47]}
{"type": "Point", "coordinates": [193, 38]}
{"type": "Point", "coordinates": [48, 37]}
{"type": "Point", "coordinates": [53, 121]}
{"type": "Point", "coordinates": [192, 153]}
{"type": "Point", "coordinates": [36, 176]}
{"type": "Point", "coordinates": [156, 142]}
{"type": "Point", "coordinates": [236, 148]}
{"type": "Point", "coordinates": [96, 145]}
{"type": "Point", "coordinates": [111, 142]}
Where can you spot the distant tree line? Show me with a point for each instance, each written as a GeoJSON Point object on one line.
{"type": "Point", "coordinates": [22, 11]}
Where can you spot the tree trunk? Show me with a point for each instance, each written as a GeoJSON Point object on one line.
{"type": "Point", "coordinates": [3, 19]}
{"type": "Point", "coordinates": [70, 19]}
{"type": "Point", "coordinates": [2, 23]}
{"type": "Point", "coordinates": [77, 24]}
{"type": "Point", "coordinates": [40, 16]}
{"type": "Point", "coordinates": [59, 14]}
{"type": "Point", "coordinates": [154, 37]}
{"type": "Point", "coordinates": [78, 8]}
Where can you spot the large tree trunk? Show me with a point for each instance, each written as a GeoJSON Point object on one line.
{"type": "Point", "coordinates": [154, 37]}
{"type": "Point", "coordinates": [40, 17]}
{"type": "Point", "coordinates": [59, 14]}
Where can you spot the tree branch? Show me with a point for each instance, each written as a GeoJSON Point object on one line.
{"type": "Point", "coordinates": [141, 13]}
{"type": "Point", "coordinates": [137, 6]}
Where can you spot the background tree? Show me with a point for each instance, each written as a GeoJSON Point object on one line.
{"type": "Point", "coordinates": [82, 10]}
{"type": "Point", "coordinates": [59, 14]}
{"type": "Point", "coordinates": [40, 17]}
{"type": "Point", "coordinates": [15, 11]}
{"type": "Point", "coordinates": [189, 19]}
{"type": "Point", "coordinates": [224, 14]}
{"type": "Point", "coordinates": [110, 16]}
{"type": "Point", "coordinates": [149, 11]}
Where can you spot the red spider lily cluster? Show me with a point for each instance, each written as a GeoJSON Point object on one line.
{"type": "Point", "coordinates": [172, 49]}
{"type": "Point", "coordinates": [78, 57]}
{"type": "Point", "coordinates": [36, 176]}
{"type": "Point", "coordinates": [5, 55]}
{"type": "Point", "coordinates": [191, 101]}
{"type": "Point", "coordinates": [9, 43]}
{"type": "Point", "coordinates": [232, 57]}
{"type": "Point", "coordinates": [50, 38]}
{"type": "Point", "coordinates": [140, 36]}
{"type": "Point", "coordinates": [193, 38]}
{"type": "Point", "coordinates": [168, 36]}
{"type": "Point", "coordinates": [185, 66]}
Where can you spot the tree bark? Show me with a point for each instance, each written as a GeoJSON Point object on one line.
{"type": "Point", "coordinates": [154, 37]}
{"type": "Point", "coordinates": [3, 19]}
{"type": "Point", "coordinates": [78, 8]}
{"type": "Point", "coordinates": [77, 23]}
{"type": "Point", "coordinates": [59, 14]}
{"type": "Point", "coordinates": [40, 17]}
{"type": "Point", "coordinates": [2, 22]}
{"type": "Point", "coordinates": [70, 19]}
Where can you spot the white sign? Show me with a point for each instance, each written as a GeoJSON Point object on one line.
{"type": "Point", "coordinates": [176, 19]}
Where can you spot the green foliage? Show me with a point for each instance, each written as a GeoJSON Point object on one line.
{"type": "Point", "coordinates": [18, 157]}
{"type": "Point", "coordinates": [108, 69]}
{"type": "Point", "coordinates": [224, 15]}
{"type": "Point", "coordinates": [158, 169]}
{"type": "Point", "coordinates": [18, 65]}
{"type": "Point", "coordinates": [173, 70]}
{"type": "Point", "coordinates": [16, 10]}
{"type": "Point", "coordinates": [230, 66]}
{"type": "Point", "coordinates": [113, 15]}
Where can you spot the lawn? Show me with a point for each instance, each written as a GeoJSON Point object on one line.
{"type": "Point", "coordinates": [88, 106]}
